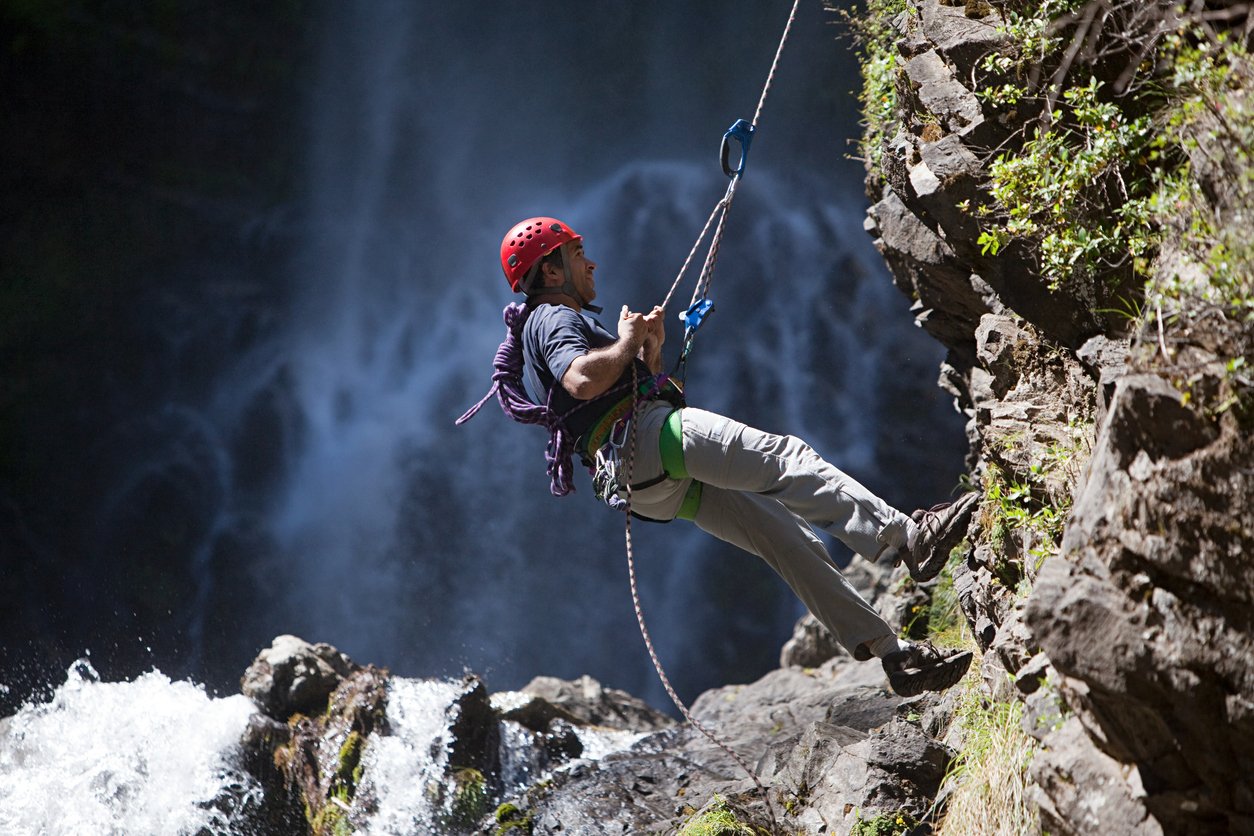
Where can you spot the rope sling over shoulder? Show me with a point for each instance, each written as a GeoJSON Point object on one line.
{"type": "Point", "coordinates": [507, 385]}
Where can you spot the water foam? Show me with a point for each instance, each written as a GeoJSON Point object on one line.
{"type": "Point", "coordinates": [150, 756]}
{"type": "Point", "coordinates": [403, 771]}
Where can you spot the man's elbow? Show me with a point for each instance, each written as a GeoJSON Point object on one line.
{"type": "Point", "coordinates": [579, 387]}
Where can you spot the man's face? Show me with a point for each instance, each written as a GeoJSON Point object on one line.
{"type": "Point", "coordinates": [581, 268]}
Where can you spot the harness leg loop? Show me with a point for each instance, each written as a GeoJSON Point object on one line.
{"type": "Point", "coordinates": [671, 448]}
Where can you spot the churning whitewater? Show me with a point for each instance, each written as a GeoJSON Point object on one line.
{"type": "Point", "coordinates": [155, 757]}
{"type": "Point", "coordinates": [149, 756]}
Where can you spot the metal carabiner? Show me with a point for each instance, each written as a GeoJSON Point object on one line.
{"type": "Point", "coordinates": [741, 131]}
{"type": "Point", "coordinates": [619, 434]}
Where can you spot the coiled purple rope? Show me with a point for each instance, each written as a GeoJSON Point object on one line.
{"type": "Point", "coordinates": [507, 385]}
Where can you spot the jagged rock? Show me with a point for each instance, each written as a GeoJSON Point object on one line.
{"type": "Point", "coordinates": [997, 341]}
{"type": "Point", "coordinates": [279, 809]}
{"type": "Point", "coordinates": [961, 40]}
{"type": "Point", "coordinates": [811, 645]}
{"type": "Point", "coordinates": [309, 766]}
{"type": "Point", "coordinates": [982, 602]}
{"type": "Point", "coordinates": [1033, 673]}
{"type": "Point", "coordinates": [474, 733]}
{"type": "Point", "coordinates": [946, 177]}
{"type": "Point", "coordinates": [1150, 606]}
{"type": "Point", "coordinates": [1106, 359]}
{"type": "Point", "coordinates": [840, 773]}
{"type": "Point", "coordinates": [1004, 664]}
{"type": "Point", "coordinates": [1153, 420]}
{"type": "Point", "coordinates": [672, 773]}
{"type": "Point", "coordinates": [1081, 790]}
{"type": "Point", "coordinates": [924, 267]}
{"type": "Point", "coordinates": [586, 702]}
{"type": "Point", "coordinates": [1143, 623]}
{"type": "Point", "coordinates": [932, 178]}
{"type": "Point", "coordinates": [940, 94]}
{"type": "Point", "coordinates": [293, 676]}
{"type": "Point", "coordinates": [626, 793]}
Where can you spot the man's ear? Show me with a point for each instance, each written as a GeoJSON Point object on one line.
{"type": "Point", "coordinates": [548, 270]}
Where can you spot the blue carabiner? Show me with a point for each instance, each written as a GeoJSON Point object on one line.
{"type": "Point", "coordinates": [741, 131]}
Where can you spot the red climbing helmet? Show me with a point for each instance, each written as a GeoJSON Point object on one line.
{"type": "Point", "coordinates": [528, 242]}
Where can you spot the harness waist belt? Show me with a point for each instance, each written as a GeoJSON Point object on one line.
{"type": "Point", "coordinates": [599, 433]}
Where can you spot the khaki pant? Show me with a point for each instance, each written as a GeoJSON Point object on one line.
{"type": "Point", "coordinates": [763, 492]}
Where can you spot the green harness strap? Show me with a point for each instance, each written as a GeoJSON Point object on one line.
{"type": "Point", "coordinates": [671, 447]}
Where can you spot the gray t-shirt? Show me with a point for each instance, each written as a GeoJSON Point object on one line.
{"type": "Point", "coordinates": [553, 337]}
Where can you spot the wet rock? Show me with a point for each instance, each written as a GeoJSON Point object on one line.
{"type": "Point", "coordinates": [279, 809]}
{"type": "Point", "coordinates": [321, 760]}
{"type": "Point", "coordinates": [293, 676]}
{"type": "Point", "coordinates": [474, 733]}
{"type": "Point", "coordinates": [626, 794]}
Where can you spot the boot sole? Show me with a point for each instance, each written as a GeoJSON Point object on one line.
{"type": "Point", "coordinates": [936, 677]}
{"type": "Point", "coordinates": [959, 516]}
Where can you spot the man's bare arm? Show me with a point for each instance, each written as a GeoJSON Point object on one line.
{"type": "Point", "coordinates": [595, 372]}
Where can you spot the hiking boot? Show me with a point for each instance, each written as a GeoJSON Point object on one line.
{"type": "Point", "coordinates": [940, 529]}
{"type": "Point", "coordinates": [924, 668]}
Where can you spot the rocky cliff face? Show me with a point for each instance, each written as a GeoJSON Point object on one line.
{"type": "Point", "coordinates": [1105, 579]}
{"type": "Point", "coordinates": [1138, 624]}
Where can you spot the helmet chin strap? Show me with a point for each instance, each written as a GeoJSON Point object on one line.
{"type": "Point", "coordinates": [567, 289]}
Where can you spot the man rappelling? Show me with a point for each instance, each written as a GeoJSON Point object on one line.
{"type": "Point", "coordinates": [761, 492]}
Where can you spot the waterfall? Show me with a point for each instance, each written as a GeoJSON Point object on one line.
{"type": "Point", "coordinates": [154, 757]}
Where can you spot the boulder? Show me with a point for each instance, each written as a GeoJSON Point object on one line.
{"type": "Point", "coordinates": [585, 701]}
{"type": "Point", "coordinates": [293, 676]}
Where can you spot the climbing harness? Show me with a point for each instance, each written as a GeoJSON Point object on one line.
{"type": "Point", "coordinates": [670, 442]}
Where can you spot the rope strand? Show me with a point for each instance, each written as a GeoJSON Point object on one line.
{"type": "Point", "coordinates": [648, 640]}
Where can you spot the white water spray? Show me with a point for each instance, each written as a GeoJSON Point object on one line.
{"type": "Point", "coordinates": [125, 759]}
